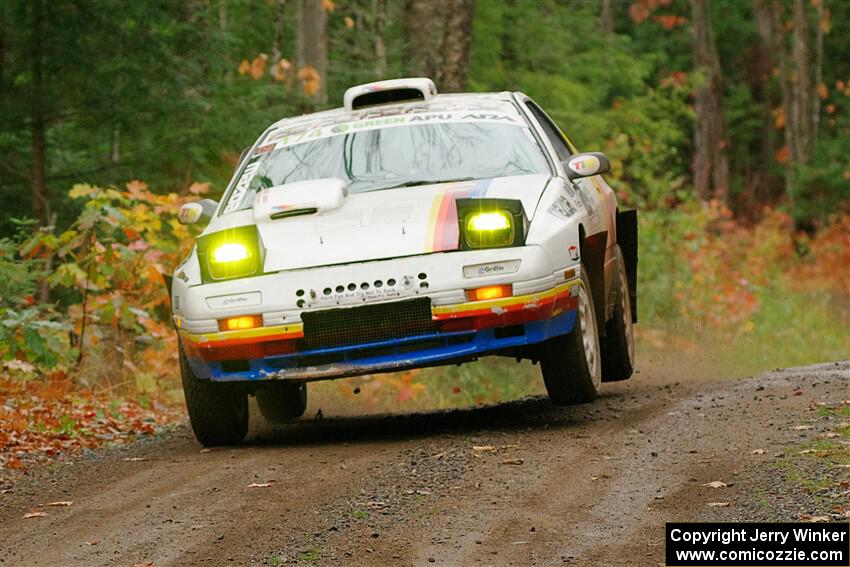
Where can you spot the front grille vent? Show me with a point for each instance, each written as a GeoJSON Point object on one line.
{"type": "Point", "coordinates": [368, 323]}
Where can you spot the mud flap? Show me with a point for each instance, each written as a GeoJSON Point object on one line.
{"type": "Point", "coordinates": [627, 238]}
{"type": "Point", "coordinates": [593, 255]}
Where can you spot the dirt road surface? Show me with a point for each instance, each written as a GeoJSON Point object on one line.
{"type": "Point", "coordinates": [522, 483]}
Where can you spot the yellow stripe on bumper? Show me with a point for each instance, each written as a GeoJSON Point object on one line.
{"type": "Point", "coordinates": [506, 302]}
{"type": "Point", "coordinates": [294, 330]}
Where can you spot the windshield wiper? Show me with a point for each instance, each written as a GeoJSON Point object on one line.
{"type": "Point", "coordinates": [418, 182]}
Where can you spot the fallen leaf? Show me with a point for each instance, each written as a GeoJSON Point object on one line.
{"type": "Point", "coordinates": [93, 542]}
{"type": "Point", "coordinates": [260, 484]}
{"type": "Point", "coordinates": [206, 450]}
{"type": "Point", "coordinates": [716, 484]}
{"type": "Point", "coordinates": [814, 519]}
{"type": "Point", "coordinates": [484, 448]}
{"type": "Point", "coordinates": [148, 564]}
{"type": "Point", "coordinates": [719, 504]}
{"type": "Point", "coordinates": [34, 515]}
{"type": "Point", "coordinates": [59, 503]}
{"type": "Point", "coordinates": [802, 427]}
{"type": "Point", "coordinates": [134, 459]}
{"type": "Point", "coordinates": [512, 462]}
{"type": "Point", "coordinates": [758, 451]}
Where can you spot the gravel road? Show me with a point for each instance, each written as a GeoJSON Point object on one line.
{"type": "Point", "coordinates": [521, 483]}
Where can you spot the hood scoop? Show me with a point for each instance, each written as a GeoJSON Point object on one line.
{"type": "Point", "coordinates": [314, 196]}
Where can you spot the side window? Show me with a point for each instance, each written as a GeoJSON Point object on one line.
{"type": "Point", "coordinates": [551, 131]}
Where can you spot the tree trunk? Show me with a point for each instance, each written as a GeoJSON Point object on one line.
{"type": "Point", "coordinates": [818, 72]}
{"type": "Point", "coordinates": [456, 45]}
{"type": "Point", "coordinates": [606, 17]}
{"type": "Point", "coordinates": [507, 45]}
{"type": "Point", "coordinates": [223, 28]}
{"type": "Point", "coordinates": [763, 186]}
{"type": "Point", "coordinates": [424, 28]}
{"type": "Point", "coordinates": [711, 163]}
{"type": "Point", "coordinates": [440, 32]}
{"type": "Point", "coordinates": [802, 86]}
{"type": "Point", "coordinates": [2, 49]}
{"type": "Point", "coordinates": [277, 52]}
{"type": "Point", "coordinates": [312, 42]}
{"type": "Point", "coordinates": [115, 145]}
{"type": "Point", "coordinates": [778, 47]}
{"type": "Point", "coordinates": [40, 197]}
{"type": "Point", "coordinates": [379, 17]}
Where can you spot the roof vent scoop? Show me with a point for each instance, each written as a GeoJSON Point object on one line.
{"type": "Point", "coordinates": [389, 92]}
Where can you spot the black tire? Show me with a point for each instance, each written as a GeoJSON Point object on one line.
{"type": "Point", "coordinates": [570, 364]}
{"type": "Point", "coordinates": [218, 411]}
{"type": "Point", "coordinates": [618, 344]}
{"type": "Point", "coordinates": [280, 402]}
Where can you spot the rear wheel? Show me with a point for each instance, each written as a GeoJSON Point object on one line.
{"type": "Point", "coordinates": [570, 363]}
{"type": "Point", "coordinates": [618, 344]}
{"type": "Point", "coordinates": [218, 412]}
{"type": "Point", "coordinates": [282, 401]}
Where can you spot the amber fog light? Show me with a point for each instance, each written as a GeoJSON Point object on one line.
{"type": "Point", "coordinates": [240, 323]}
{"type": "Point", "coordinates": [489, 292]}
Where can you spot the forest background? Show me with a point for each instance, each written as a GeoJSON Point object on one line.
{"type": "Point", "coordinates": [727, 123]}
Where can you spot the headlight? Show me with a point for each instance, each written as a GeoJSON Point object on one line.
{"type": "Point", "coordinates": [491, 229]}
{"type": "Point", "coordinates": [231, 253]}
{"type": "Point", "coordinates": [490, 223]}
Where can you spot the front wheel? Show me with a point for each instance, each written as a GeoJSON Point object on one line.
{"type": "Point", "coordinates": [570, 363]}
{"type": "Point", "coordinates": [218, 412]}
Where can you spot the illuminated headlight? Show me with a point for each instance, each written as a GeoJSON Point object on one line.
{"type": "Point", "coordinates": [490, 223]}
{"type": "Point", "coordinates": [231, 253]}
{"type": "Point", "coordinates": [489, 229]}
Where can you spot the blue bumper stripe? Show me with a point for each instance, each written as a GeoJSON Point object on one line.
{"type": "Point", "coordinates": [386, 356]}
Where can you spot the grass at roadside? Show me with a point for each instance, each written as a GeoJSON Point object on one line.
{"type": "Point", "coordinates": [821, 466]}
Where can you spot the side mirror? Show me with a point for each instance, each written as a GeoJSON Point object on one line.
{"type": "Point", "coordinates": [196, 212]}
{"type": "Point", "coordinates": [587, 165]}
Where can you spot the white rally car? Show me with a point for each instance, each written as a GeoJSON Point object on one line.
{"type": "Point", "coordinates": [406, 229]}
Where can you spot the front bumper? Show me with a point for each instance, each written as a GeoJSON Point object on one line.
{"type": "Point", "coordinates": [466, 330]}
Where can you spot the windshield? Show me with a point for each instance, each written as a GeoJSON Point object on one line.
{"type": "Point", "coordinates": [388, 157]}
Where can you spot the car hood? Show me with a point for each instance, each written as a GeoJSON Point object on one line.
{"type": "Point", "coordinates": [391, 223]}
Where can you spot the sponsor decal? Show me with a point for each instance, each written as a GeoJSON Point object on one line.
{"type": "Point", "coordinates": [237, 300]}
{"type": "Point", "coordinates": [491, 269]}
{"type": "Point", "coordinates": [573, 251]}
{"type": "Point", "coordinates": [190, 213]}
{"type": "Point", "coordinates": [264, 149]}
{"type": "Point", "coordinates": [585, 165]}
{"type": "Point", "coordinates": [242, 186]}
{"type": "Point", "coordinates": [562, 207]}
{"type": "Point", "coordinates": [587, 194]}
{"type": "Point", "coordinates": [296, 134]}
